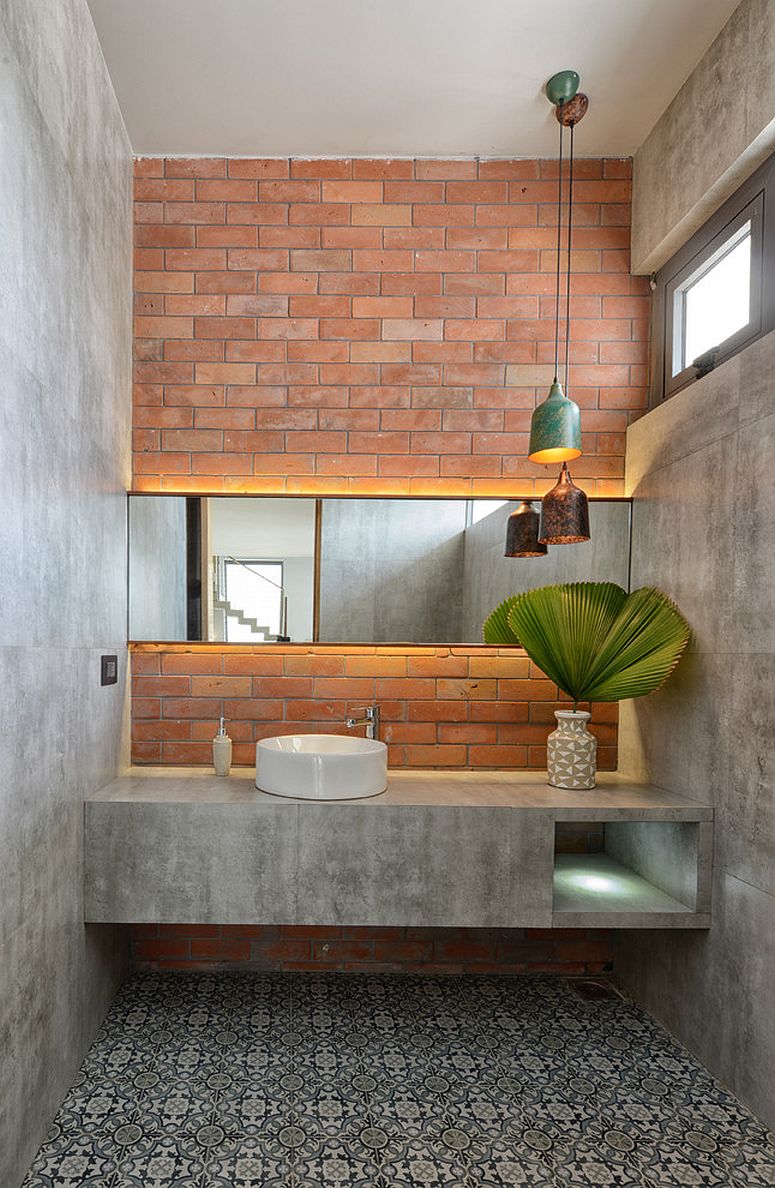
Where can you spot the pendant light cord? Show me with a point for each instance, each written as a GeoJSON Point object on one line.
{"type": "Point", "coordinates": [567, 287]}
{"type": "Point", "coordinates": [559, 254]}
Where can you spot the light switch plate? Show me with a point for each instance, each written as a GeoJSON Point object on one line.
{"type": "Point", "coordinates": [108, 670]}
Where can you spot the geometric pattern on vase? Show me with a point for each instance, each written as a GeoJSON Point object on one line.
{"type": "Point", "coordinates": [571, 752]}
{"type": "Point", "coordinates": [257, 1080]}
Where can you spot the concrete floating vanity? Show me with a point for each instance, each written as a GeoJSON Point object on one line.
{"type": "Point", "coordinates": [180, 845]}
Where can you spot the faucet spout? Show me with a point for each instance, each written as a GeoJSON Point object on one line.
{"type": "Point", "coordinates": [370, 720]}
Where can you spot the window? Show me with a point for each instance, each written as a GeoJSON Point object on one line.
{"type": "Point", "coordinates": [254, 593]}
{"type": "Point", "coordinates": [479, 508]}
{"type": "Point", "coordinates": [715, 296]}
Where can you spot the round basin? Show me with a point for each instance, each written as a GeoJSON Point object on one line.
{"type": "Point", "coordinates": [321, 766]}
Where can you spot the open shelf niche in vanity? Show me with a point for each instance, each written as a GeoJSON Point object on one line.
{"type": "Point", "coordinates": [448, 849]}
{"type": "Point", "coordinates": [651, 873]}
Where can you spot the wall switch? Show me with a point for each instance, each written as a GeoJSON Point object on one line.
{"type": "Point", "coordinates": [108, 670]}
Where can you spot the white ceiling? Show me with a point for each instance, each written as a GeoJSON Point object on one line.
{"type": "Point", "coordinates": [394, 77]}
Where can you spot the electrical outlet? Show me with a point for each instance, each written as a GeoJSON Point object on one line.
{"type": "Point", "coordinates": [108, 670]}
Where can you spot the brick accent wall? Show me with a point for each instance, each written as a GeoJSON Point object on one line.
{"type": "Point", "coordinates": [453, 707]}
{"type": "Point", "coordinates": [371, 950]}
{"type": "Point", "coordinates": [375, 326]}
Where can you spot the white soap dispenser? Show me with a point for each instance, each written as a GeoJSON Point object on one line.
{"type": "Point", "coordinates": [222, 751]}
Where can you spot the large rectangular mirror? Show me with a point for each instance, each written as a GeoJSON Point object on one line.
{"type": "Point", "coordinates": [255, 569]}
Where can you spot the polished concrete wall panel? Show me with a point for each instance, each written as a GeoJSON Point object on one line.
{"type": "Point", "coordinates": [714, 134]}
{"type": "Point", "coordinates": [676, 856]}
{"type": "Point", "coordinates": [65, 313]}
{"type": "Point", "coordinates": [701, 476]}
{"type": "Point", "coordinates": [157, 568]}
{"type": "Point", "coordinates": [391, 570]}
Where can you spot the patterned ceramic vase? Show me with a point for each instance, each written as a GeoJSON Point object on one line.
{"type": "Point", "coordinates": [571, 751]}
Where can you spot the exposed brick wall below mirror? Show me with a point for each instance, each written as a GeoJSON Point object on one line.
{"type": "Point", "coordinates": [448, 707]}
{"type": "Point", "coordinates": [371, 950]}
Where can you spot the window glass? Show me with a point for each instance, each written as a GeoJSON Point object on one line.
{"type": "Point", "coordinates": [717, 303]}
{"type": "Point", "coordinates": [254, 590]}
{"type": "Point", "coordinates": [479, 508]}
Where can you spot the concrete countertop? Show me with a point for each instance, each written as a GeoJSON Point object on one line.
{"type": "Point", "coordinates": [615, 797]}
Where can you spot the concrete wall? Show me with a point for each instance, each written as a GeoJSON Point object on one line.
{"type": "Point", "coordinates": [157, 568]}
{"type": "Point", "coordinates": [489, 577]}
{"type": "Point", "coordinates": [700, 470]}
{"type": "Point", "coordinates": [64, 436]}
{"type": "Point", "coordinates": [391, 570]}
{"type": "Point", "coordinates": [719, 127]}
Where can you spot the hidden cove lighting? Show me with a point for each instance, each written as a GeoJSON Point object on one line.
{"type": "Point", "coordinates": [555, 427]}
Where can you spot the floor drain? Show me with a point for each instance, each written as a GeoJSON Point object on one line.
{"type": "Point", "coordinates": [591, 990]}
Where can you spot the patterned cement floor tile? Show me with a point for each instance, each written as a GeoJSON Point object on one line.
{"type": "Point", "coordinates": [350, 1081]}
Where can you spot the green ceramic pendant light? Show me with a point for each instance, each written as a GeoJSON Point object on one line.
{"type": "Point", "coordinates": [555, 428]}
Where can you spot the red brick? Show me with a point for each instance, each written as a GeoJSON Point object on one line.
{"type": "Point", "coordinates": [334, 951]}
{"type": "Point", "coordinates": [258, 167]}
{"type": "Point", "coordinates": [436, 168]}
{"type": "Point", "coordinates": [445, 261]}
{"type": "Point", "coordinates": [288, 237]}
{"type": "Point", "coordinates": [289, 191]}
{"type": "Point", "coordinates": [382, 215]}
{"type": "Point", "coordinates": [382, 307]}
{"type": "Point", "coordinates": [324, 168]}
{"type": "Point", "coordinates": [435, 215]}
{"type": "Point", "coordinates": [419, 238]}
{"type": "Point", "coordinates": [194, 212]}
{"type": "Point", "coordinates": [195, 259]}
{"type": "Point", "coordinates": [224, 948]}
{"type": "Point", "coordinates": [257, 213]}
{"type": "Point", "coordinates": [382, 167]}
{"type": "Point", "coordinates": [195, 167]}
{"type": "Point", "coordinates": [352, 237]}
{"type": "Point", "coordinates": [150, 949]}
{"type": "Point", "coordinates": [258, 260]}
{"type": "Point", "coordinates": [217, 190]}
{"type": "Point", "coordinates": [352, 191]}
{"type": "Point", "coordinates": [324, 260]}
{"type": "Point", "coordinates": [357, 284]}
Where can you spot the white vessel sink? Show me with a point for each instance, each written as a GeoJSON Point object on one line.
{"type": "Point", "coordinates": [321, 766]}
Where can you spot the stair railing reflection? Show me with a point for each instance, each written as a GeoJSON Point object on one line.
{"type": "Point", "coordinates": [222, 602]}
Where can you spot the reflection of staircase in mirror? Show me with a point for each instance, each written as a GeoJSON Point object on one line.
{"type": "Point", "coordinates": [233, 612]}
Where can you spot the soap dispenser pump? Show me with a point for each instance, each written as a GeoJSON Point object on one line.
{"type": "Point", "coordinates": [222, 751]}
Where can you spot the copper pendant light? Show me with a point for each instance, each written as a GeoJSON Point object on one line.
{"type": "Point", "coordinates": [522, 532]}
{"type": "Point", "coordinates": [564, 513]}
{"type": "Point", "coordinates": [564, 510]}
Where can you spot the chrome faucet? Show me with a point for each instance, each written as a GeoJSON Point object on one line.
{"type": "Point", "coordinates": [370, 720]}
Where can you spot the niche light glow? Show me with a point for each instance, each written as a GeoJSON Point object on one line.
{"type": "Point", "coordinates": [578, 878]}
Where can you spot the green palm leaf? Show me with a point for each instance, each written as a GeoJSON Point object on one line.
{"type": "Point", "coordinates": [496, 629]}
{"type": "Point", "coordinates": [595, 641]}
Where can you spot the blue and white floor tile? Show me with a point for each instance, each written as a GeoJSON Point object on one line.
{"type": "Point", "coordinates": [349, 1081]}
